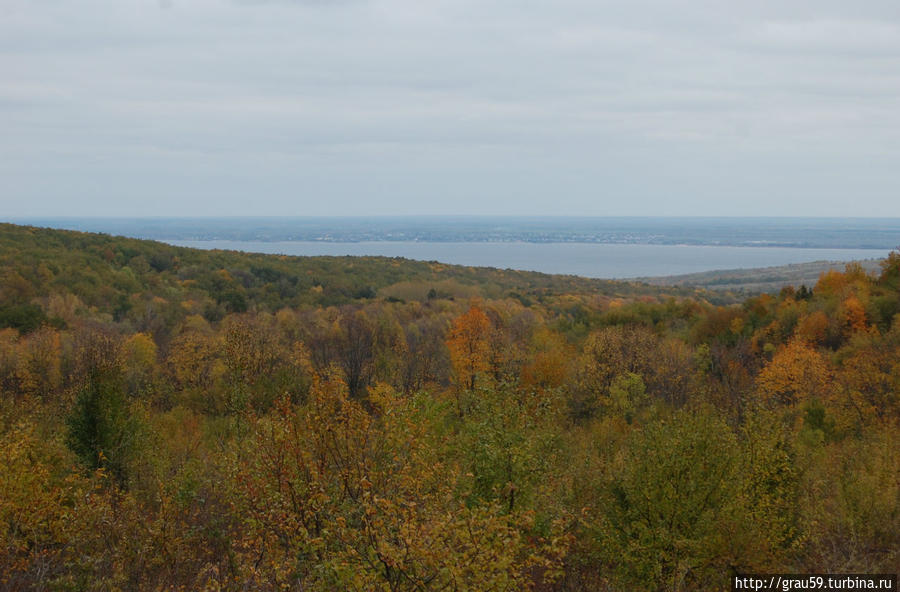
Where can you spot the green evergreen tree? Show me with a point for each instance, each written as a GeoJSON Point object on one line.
{"type": "Point", "coordinates": [101, 429]}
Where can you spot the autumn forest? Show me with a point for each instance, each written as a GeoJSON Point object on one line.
{"type": "Point", "coordinates": [175, 419]}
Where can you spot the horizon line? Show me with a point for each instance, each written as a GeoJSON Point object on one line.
{"type": "Point", "coordinates": [433, 216]}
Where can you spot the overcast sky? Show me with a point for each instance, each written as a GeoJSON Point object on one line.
{"type": "Point", "coordinates": [330, 107]}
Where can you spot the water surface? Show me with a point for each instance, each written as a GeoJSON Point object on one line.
{"type": "Point", "coordinates": [596, 260]}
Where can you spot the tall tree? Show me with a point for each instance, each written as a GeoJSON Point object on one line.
{"type": "Point", "coordinates": [469, 346]}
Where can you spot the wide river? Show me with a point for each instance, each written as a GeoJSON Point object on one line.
{"type": "Point", "coordinates": [586, 259]}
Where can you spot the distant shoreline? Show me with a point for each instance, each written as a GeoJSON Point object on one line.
{"type": "Point", "coordinates": [787, 233]}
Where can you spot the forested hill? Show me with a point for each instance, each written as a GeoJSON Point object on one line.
{"type": "Point", "coordinates": [154, 284]}
{"type": "Point", "coordinates": [173, 419]}
{"type": "Point", "coordinates": [752, 281]}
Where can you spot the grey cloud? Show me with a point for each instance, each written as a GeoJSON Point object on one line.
{"type": "Point", "coordinates": [317, 3]}
{"type": "Point", "coordinates": [628, 108]}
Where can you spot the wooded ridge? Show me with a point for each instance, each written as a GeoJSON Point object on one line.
{"type": "Point", "coordinates": [176, 419]}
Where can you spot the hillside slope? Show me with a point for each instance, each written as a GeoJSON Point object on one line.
{"type": "Point", "coordinates": [189, 420]}
{"type": "Point", "coordinates": [760, 279]}
{"type": "Point", "coordinates": [124, 277]}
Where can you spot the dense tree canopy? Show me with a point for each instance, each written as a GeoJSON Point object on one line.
{"type": "Point", "coordinates": [183, 420]}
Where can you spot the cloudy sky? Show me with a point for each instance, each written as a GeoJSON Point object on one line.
{"type": "Point", "coordinates": [330, 107]}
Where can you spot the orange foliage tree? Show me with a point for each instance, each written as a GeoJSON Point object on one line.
{"type": "Point", "coordinates": [796, 374]}
{"type": "Point", "coordinates": [469, 346]}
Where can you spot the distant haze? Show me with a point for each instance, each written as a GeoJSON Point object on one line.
{"type": "Point", "coordinates": [880, 234]}
{"type": "Point", "coordinates": [387, 107]}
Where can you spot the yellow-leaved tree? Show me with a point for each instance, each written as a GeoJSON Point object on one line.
{"type": "Point", "coordinates": [797, 373]}
{"type": "Point", "coordinates": [469, 346]}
